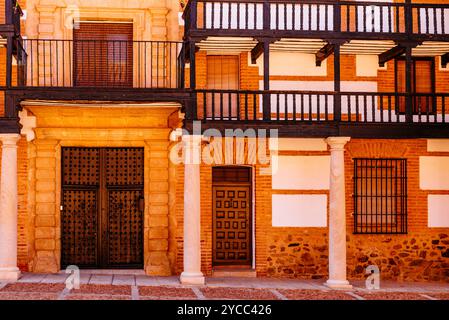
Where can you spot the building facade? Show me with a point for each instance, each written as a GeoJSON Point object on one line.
{"type": "Point", "coordinates": [302, 139]}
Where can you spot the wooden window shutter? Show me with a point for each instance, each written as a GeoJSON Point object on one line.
{"type": "Point", "coordinates": [223, 74]}
{"type": "Point", "coordinates": [103, 54]}
{"type": "Point", "coordinates": [422, 82]}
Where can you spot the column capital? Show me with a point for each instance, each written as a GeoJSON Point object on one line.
{"type": "Point", "coordinates": [337, 143]}
{"type": "Point", "coordinates": [9, 139]}
{"type": "Point", "coordinates": [28, 123]}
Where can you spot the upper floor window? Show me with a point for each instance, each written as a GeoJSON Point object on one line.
{"type": "Point", "coordinates": [423, 84]}
{"type": "Point", "coordinates": [103, 54]}
{"type": "Point", "coordinates": [223, 74]}
{"type": "Point", "coordinates": [380, 196]}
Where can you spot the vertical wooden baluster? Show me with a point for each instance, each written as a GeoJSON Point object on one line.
{"type": "Point", "coordinates": [302, 106]}
{"type": "Point", "coordinates": [294, 107]}
{"type": "Point", "coordinates": [220, 26]}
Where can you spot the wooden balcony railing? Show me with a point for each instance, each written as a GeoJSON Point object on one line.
{"type": "Point", "coordinates": [308, 106]}
{"type": "Point", "coordinates": [309, 17]}
{"type": "Point", "coordinates": [13, 12]}
{"type": "Point", "coordinates": [102, 63]}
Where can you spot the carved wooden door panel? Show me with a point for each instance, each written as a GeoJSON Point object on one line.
{"type": "Point", "coordinates": [124, 207]}
{"type": "Point", "coordinates": [102, 207]}
{"type": "Point", "coordinates": [79, 214]}
{"type": "Point", "coordinates": [232, 225]}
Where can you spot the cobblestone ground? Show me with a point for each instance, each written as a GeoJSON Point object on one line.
{"type": "Point", "coordinates": [140, 287]}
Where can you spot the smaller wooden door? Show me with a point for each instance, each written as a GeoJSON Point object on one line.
{"type": "Point", "coordinates": [222, 74]}
{"type": "Point", "coordinates": [422, 83]}
{"type": "Point", "coordinates": [232, 223]}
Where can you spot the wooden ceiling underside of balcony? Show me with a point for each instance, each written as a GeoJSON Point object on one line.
{"type": "Point", "coordinates": [368, 47]}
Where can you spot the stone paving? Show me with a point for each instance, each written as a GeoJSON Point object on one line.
{"type": "Point", "coordinates": [140, 287]}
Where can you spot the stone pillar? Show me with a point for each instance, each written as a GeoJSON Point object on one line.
{"type": "Point", "coordinates": [192, 212]}
{"type": "Point", "coordinates": [46, 29]}
{"type": "Point", "coordinates": [8, 208]}
{"type": "Point", "coordinates": [157, 263]}
{"type": "Point", "coordinates": [337, 215]}
{"type": "Point", "coordinates": [47, 222]}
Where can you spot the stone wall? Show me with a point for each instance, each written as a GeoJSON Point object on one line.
{"type": "Point", "coordinates": [413, 257]}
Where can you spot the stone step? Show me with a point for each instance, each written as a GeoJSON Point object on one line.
{"type": "Point", "coordinates": [234, 273]}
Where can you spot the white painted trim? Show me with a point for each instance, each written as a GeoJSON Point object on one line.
{"type": "Point", "coordinates": [433, 173]}
{"type": "Point", "coordinates": [299, 210]}
{"type": "Point", "coordinates": [438, 145]}
{"type": "Point", "coordinates": [438, 213]}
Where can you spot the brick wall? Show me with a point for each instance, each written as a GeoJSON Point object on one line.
{"type": "Point", "coordinates": [422, 254]}
{"type": "Point", "coordinates": [23, 218]}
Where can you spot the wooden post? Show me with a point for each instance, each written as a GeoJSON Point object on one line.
{"type": "Point", "coordinates": [182, 63]}
{"type": "Point", "coordinates": [194, 14]}
{"type": "Point", "coordinates": [337, 83]}
{"type": "Point", "coordinates": [408, 18]}
{"type": "Point", "coordinates": [337, 16]}
{"type": "Point", "coordinates": [193, 111]}
{"type": "Point", "coordinates": [266, 15]}
{"type": "Point", "coordinates": [266, 81]}
{"type": "Point", "coordinates": [408, 84]}
{"type": "Point", "coordinates": [9, 53]}
{"type": "Point", "coordinates": [9, 12]}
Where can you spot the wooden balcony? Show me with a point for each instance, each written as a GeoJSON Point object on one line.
{"type": "Point", "coordinates": [321, 114]}
{"type": "Point", "coordinates": [101, 64]}
{"type": "Point", "coordinates": [100, 70]}
{"type": "Point", "coordinates": [321, 19]}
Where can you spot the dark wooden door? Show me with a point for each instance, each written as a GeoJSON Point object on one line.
{"type": "Point", "coordinates": [232, 238]}
{"type": "Point", "coordinates": [102, 207]}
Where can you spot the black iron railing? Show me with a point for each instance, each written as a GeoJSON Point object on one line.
{"type": "Point", "coordinates": [315, 106]}
{"type": "Point", "coordinates": [221, 17]}
{"type": "Point", "coordinates": [103, 63]}
{"type": "Point", "coordinates": [13, 12]}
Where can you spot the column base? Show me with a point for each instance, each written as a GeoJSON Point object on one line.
{"type": "Point", "coordinates": [196, 279]}
{"type": "Point", "coordinates": [338, 284]}
{"type": "Point", "coordinates": [9, 274]}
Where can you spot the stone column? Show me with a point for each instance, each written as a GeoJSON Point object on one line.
{"type": "Point", "coordinates": [337, 215]}
{"type": "Point", "coordinates": [47, 222]}
{"type": "Point", "coordinates": [8, 209]}
{"type": "Point", "coordinates": [157, 263]}
{"type": "Point", "coordinates": [192, 212]}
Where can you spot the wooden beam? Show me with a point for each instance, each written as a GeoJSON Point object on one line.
{"type": "Point", "coordinates": [324, 53]}
{"type": "Point", "coordinates": [445, 60]}
{"type": "Point", "coordinates": [397, 51]}
{"type": "Point", "coordinates": [10, 125]}
{"type": "Point", "coordinates": [256, 52]}
{"type": "Point", "coordinates": [100, 94]}
{"type": "Point", "coordinates": [294, 129]}
{"type": "Point", "coordinates": [391, 54]}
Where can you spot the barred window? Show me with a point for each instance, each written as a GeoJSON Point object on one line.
{"type": "Point", "coordinates": [380, 196]}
